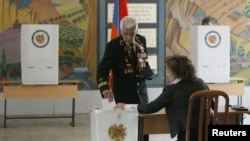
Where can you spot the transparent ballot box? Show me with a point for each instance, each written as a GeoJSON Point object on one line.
{"type": "Point", "coordinates": [113, 125]}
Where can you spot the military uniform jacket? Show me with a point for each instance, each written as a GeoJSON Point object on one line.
{"type": "Point", "coordinates": [128, 86]}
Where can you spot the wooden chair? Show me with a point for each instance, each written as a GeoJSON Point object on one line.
{"type": "Point", "coordinates": [208, 99]}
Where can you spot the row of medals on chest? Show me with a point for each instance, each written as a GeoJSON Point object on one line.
{"type": "Point", "coordinates": [140, 54]}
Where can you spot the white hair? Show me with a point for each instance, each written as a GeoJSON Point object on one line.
{"type": "Point", "coordinates": [128, 22]}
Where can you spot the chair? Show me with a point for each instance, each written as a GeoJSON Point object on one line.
{"type": "Point", "coordinates": [208, 99]}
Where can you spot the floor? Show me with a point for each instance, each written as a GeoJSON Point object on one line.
{"type": "Point", "coordinates": [53, 129]}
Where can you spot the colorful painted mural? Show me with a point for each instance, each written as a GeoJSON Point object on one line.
{"type": "Point", "coordinates": [77, 20]}
{"type": "Point", "coordinates": [235, 13]}
{"type": "Point", "coordinates": [77, 45]}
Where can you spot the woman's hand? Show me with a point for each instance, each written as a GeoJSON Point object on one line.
{"type": "Point", "coordinates": [119, 106]}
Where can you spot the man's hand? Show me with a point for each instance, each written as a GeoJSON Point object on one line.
{"type": "Point", "coordinates": [119, 106]}
{"type": "Point", "coordinates": [108, 94]}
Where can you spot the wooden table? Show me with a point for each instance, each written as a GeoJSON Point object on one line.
{"type": "Point", "coordinates": [235, 87]}
{"type": "Point", "coordinates": [157, 123]}
{"type": "Point", "coordinates": [64, 89]}
{"type": "Point", "coordinates": [235, 117]}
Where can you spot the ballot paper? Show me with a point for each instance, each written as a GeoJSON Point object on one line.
{"type": "Point", "coordinates": [106, 105]}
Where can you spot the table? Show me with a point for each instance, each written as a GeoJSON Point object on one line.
{"type": "Point", "coordinates": [157, 123]}
{"type": "Point", "coordinates": [235, 117]}
{"type": "Point", "coordinates": [64, 89]}
{"type": "Point", "coordinates": [235, 87]}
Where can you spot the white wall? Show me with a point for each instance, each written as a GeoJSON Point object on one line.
{"type": "Point", "coordinates": [84, 100]}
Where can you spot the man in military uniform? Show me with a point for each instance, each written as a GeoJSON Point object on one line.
{"type": "Point", "coordinates": [126, 56]}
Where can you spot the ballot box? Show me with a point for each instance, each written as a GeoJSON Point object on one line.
{"type": "Point", "coordinates": [210, 52]}
{"type": "Point", "coordinates": [39, 54]}
{"type": "Point", "coordinates": [113, 125]}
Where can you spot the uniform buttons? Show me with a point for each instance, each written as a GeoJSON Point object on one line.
{"type": "Point", "coordinates": [138, 83]}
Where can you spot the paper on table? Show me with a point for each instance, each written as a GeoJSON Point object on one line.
{"type": "Point", "coordinates": [106, 105]}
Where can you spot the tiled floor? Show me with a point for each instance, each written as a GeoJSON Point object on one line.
{"type": "Point", "coordinates": [53, 129]}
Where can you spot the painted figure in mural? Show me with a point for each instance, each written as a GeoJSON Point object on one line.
{"type": "Point", "coordinates": [126, 56]}
{"type": "Point", "coordinates": [206, 21]}
{"type": "Point", "coordinates": [175, 97]}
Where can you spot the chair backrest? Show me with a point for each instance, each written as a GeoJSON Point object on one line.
{"type": "Point", "coordinates": [208, 99]}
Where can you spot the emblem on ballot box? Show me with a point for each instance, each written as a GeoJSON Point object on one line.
{"type": "Point", "coordinates": [212, 39]}
{"type": "Point", "coordinates": [117, 132]}
{"type": "Point", "coordinates": [40, 38]}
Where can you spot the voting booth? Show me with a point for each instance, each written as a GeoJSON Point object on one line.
{"type": "Point", "coordinates": [39, 54]}
{"type": "Point", "coordinates": [113, 125]}
{"type": "Point", "coordinates": [210, 52]}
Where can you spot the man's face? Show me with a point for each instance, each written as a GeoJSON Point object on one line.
{"type": "Point", "coordinates": [128, 34]}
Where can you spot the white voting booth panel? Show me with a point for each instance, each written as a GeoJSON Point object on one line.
{"type": "Point", "coordinates": [210, 52]}
{"type": "Point", "coordinates": [39, 54]}
{"type": "Point", "coordinates": [113, 125]}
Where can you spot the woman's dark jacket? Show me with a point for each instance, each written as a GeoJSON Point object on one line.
{"type": "Point", "coordinates": [175, 99]}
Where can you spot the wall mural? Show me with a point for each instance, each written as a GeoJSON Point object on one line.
{"type": "Point", "coordinates": [77, 45]}
{"type": "Point", "coordinates": [182, 14]}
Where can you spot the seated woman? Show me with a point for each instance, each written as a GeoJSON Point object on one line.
{"type": "Point", "coordinates": [182, 82]}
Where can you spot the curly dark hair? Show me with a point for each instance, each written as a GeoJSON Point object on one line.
{"type": "Point", "coordinates": [205, 21]}
{"type": "Point", "coordinates": [181, 66]}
